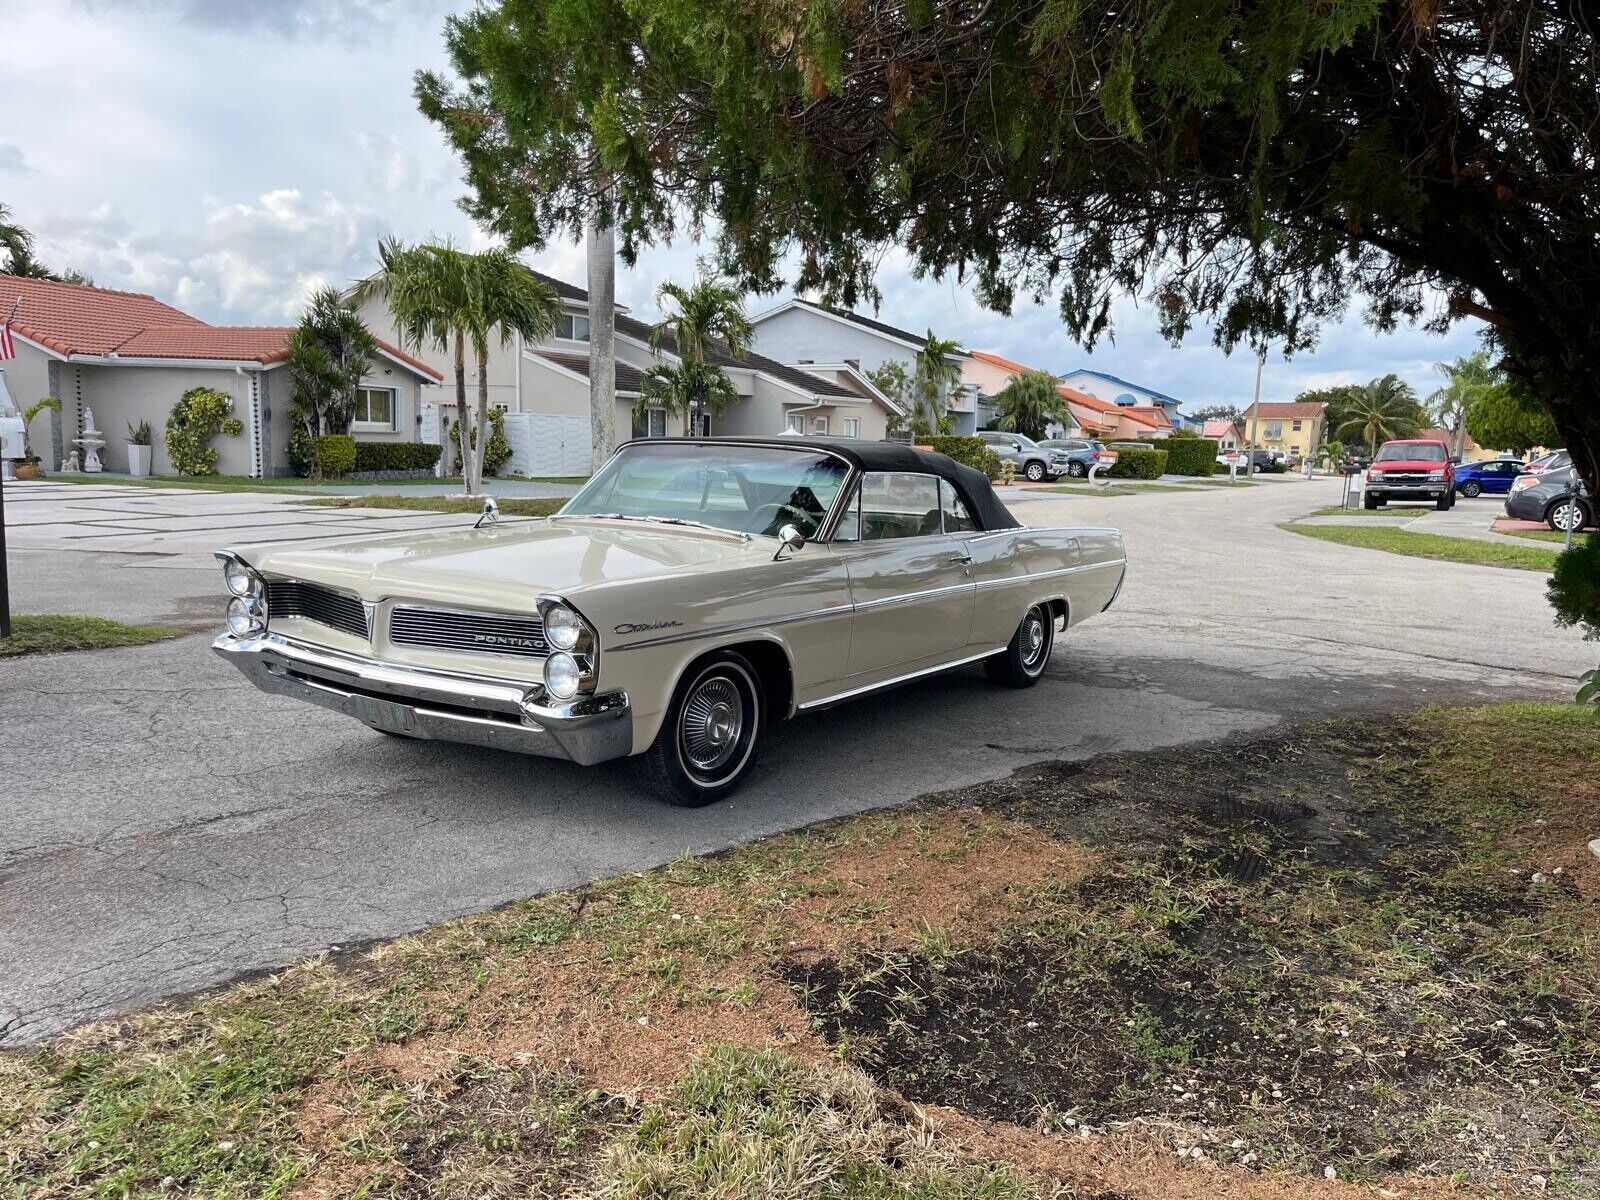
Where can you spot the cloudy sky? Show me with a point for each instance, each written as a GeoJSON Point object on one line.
{"type": "Point", "coordinates": [231, 155]}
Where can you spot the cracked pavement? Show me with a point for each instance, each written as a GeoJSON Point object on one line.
{"type": "Point", "coordinates": [169, 828]}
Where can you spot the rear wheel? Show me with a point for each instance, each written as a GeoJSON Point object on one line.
{"type": "Point", "coordinates": [1471, 489]}
{"type": "Point", "coordinates": [711, 733]}
{"type": "Point", "coordinates": [1566, 514]}
{"type": "Point", "coordinates": [1021, 663]}
{"type": "Point", "coordinates": [1034, 471]}
{"type": "Point", "coordinates": [1076, 469]}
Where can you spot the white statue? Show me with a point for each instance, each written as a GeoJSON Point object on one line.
{"type": "Point", "coordinates": [72, 467]}
{"type": "Point", "coordinates": [88, 420]}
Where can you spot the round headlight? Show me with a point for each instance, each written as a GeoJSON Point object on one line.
{"type": "Point", "coordinates": [241, 580]}
{"type": "Point", "coordinates": [562, 676]}
{"type": "Point", "coordinates": [246, 616]}
{"type": "Point", "coordinates": [562, 628]}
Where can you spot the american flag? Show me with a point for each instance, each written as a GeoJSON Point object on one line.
{"type": "Point", "coordinates": [8, 345]}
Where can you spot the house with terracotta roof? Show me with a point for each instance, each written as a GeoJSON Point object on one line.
{"type": "Point", "coordinates": [1107, 420]}
{"type": "Point", "coordinates": [1117, 390]}
{"type": "Point", "coordinates": [129, 357]}
{"type": "Point", "coordinates": [1295, 429]}
{"type": "Point", "coordinates": [808, 336]}
{"type": "Point", "coordinates": [989, 374]}
{"type": "Point", "coordinates": [549, 381]}
{"type": "Point", "coordinates": [1227, 434]}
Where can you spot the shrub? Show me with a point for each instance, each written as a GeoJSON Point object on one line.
{"type": "Point", "coordinates": [496, 455]}
{"type": "Point", "coordinates": [1191, 455]}
{"type": "Point", "coordinates": [1575, 595]}
{"type": "Point", "coordinates": [973, 451]}
{"type": "Point", "coordinates": [199, 415]}
{"type": "Point", "coordinates": [397, 456]}
{"type": "Point", "coordinates": [333, 455]}
{"type": "Point", "coordinates": [1139, 464]}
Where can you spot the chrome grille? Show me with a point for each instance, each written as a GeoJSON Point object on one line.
{"type": "Point", "coordinates": [313, 602]}
{"type": "Point", "coordinates": [467, 632]}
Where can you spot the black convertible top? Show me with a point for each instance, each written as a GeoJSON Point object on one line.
{"type": "Point", "coordinates": [973, 484]}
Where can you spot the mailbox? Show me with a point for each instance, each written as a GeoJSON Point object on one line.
{"type": "Point", "coordinates": [11, 431]}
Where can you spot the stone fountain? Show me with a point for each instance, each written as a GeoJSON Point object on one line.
{"type": "Point", "coordinates": [91, 441]}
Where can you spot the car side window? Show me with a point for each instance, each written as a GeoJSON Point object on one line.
{"type": "Point", "coordinates": [956, 518]}
{"type": "Point", "coordinates": [849, 527]}
{"type": "Point", "coordinates": [899, 504]}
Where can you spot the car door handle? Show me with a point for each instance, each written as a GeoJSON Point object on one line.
{"type": "Point", "coordinates": [963, 559]}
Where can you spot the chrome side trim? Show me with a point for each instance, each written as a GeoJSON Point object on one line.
{"type": "Point", "coordinates": [898, 679]}
{"type": "Point", "coordinates": [1011, 579]}
{"type": "Point", "coordinates": [739, 627]}
{"type": "Point", "coordinates": [908, 597]}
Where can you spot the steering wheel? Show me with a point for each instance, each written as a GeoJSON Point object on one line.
{"type": "Point", "coordinates": [787, 513]}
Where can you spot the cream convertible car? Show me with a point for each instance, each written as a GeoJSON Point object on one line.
{"type": "Point", "coordinates": [692, 592]}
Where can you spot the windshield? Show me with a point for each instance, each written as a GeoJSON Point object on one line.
{"type": "Point", "coordinates": [1411, 452]}
{"type": "Point", "coordinates": [1026, 441]}
{"type": "Point", "coordinates": [745, 489]}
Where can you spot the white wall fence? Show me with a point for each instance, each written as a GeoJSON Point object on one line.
{"type": "Point", "coordinates": [541, 443]}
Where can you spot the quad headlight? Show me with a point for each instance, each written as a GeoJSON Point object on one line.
{"type": "Point", "coordinates": [247, 615]}
{"type": "Point", "coordinates": [563, 628]}
{"type": "Point", "coordinates": [241, 579]}
{"type": "Point", "coordinates": [574, 662]}
{"type": "Point", "coordinates": [563, 677]}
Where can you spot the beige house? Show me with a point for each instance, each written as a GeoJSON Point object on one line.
{"type": "Point", "coordinates": [128, 357]}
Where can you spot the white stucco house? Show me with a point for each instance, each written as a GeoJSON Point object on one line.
{"type": "Point", "coordinates": [548, 384]}
{"type": "Point", "coordinates": [129, 357]}
{"type": "Point", "coordinates": [815, 337]}
{"type": "Point", "coordinates": [1118, 390]}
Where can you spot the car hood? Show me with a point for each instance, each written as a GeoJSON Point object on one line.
{"type": "Point", "coordinates": [506, 563]}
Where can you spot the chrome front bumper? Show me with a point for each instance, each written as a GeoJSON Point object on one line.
{"type": "Point", "coordinates": [502, 714]}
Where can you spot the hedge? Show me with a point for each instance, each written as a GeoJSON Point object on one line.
{"type": "Point", "coordinates": [498, 452]}
{"type": "Point", "coordinates": [1191, 455]}
{"type": "Point", "coordinates": [973, 451]}
{"type": "Point", "coordinates": [1139, 464]}
{"type": "Point", "coordinates": [397, 456]}
{"type": "Point", "coordinates": [333, 455]}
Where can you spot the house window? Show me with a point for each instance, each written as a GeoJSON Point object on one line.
{"type": "Point", "coordinates": [375, 408]}
{"type": "Point", "coordinates": [852, 427]}
{"type": "Point", "coordinates": [656, 423]}
{"type": "Point", "coordinates": [820, 425]}
{"type": "Point", "coordinates": [572, 328]}
{"type": "Point", "coordinates": [797, 422]}
{"type": "Point", "coordinates": [1274, 431]}
{"type": "Point", "coordinates": [1296, 426]}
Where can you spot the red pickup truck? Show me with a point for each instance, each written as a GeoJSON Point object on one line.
{"type": "Point", "coordinates": [1411, 469]}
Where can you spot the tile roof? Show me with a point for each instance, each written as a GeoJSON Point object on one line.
{"type": "Point", "coordinates": [71, 319]}
{"type": "Point", "coordinates": [1111, 412]}
{"type": "Point", "coordinates": [816, 385]}
{"type": "Point", "coordinates": [1154, 413]}
{"type": "Point", "coordinates": [1298, 411]}
{"type": "Point", "coordinates": [1121, 382]}
{"type": "Point", "coordinates": [630, 380]}
{"type": "Point", "coordinates": [995, 360]}
{"type": "Point", "coordinates": [1223, 428]}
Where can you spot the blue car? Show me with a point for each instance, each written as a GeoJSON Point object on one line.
{"type": "Point", "coordinates": [1492, 477]}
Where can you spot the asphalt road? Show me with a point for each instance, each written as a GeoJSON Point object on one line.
{"type": "Point", "coordinates": [168, 828]}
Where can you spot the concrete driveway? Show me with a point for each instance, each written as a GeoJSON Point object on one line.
{"type": "Point", "coordinates": [169, 828]}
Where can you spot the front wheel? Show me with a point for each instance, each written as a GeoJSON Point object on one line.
{"type": "Point", "coordinates": [1472, 489]}
{"type": "Point", "coordinates": [1024, 659]}
{"type": "Point", "coordinates": [1035, 472]}
{"type": "Point", "coordinates": [1567, 514]}
{"type": "Point", "coordinates": [710, 735]}
{"type": "Point", "coordinates": [1445, 502]}
{"type": "Point", "coordinates": [1369, 501]}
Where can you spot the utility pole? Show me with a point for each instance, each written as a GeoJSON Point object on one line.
{"type": "Point", "coordinates": [5, 582]}
{"type": "Point", "coordinates": [1255, 413]}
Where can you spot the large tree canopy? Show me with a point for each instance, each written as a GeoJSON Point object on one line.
{"type": "Point", "coordinates": [1259, 164]}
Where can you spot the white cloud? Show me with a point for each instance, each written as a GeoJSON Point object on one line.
{"type": "Point", "coordinates": [13, 161]}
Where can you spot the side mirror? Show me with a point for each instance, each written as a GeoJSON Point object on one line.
{"type": "Point", "coordinates": [491, 512]}
{"type": "Point", "coordinates": [790, 539]}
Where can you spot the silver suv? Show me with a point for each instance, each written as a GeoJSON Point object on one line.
{"type": "Point", "coordinates": [1033, 462]}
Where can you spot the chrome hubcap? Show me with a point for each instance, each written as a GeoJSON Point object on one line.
{"type": "Point", "coordinates": [713, 720]}
{"type": "Point", "coordinates": [1034, 641]}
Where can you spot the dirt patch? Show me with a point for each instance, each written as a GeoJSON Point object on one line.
{"type": "Point", "coordinates": [1291, 957]}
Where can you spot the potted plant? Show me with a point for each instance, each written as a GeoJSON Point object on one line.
{"type": "Point", "coordinates": [139, 449]}
{"type": "Point", "coordinates": [28, 465]}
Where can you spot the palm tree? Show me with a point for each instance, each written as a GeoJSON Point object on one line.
{"type": "Point", "coordinates": [697, 321]}
{"type": "Point", "coordinates": [445, 297]}
{"type": "Point", "coordinates": [15, 241]}
{"type": "Point", "coordinates": [937, 375]}
{"type": "Point", "coordinates": [1468, 378]}
{"type": "Point", "coordinates": [602, 251]}
{"type": "Point", "coordinates": [1385, 408]}
{"type": "Point", "coordinates": [1030, 403]}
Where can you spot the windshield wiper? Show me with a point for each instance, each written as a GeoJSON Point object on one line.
{"type": "Point", "coordinates": [649, 520]}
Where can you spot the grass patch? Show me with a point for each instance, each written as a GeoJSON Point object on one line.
{"type": "Point", "coordinates": [1322, 947]}
{"type": "Point", "coordinates": [1336, 511]}
{"type": "Point", "coordinates": [1431, 545]}
{"type": "Point", "coordinates": [1546, 535]}
{"type": "Point", "coordinates": [59, 633]}
{"type": "Point", "coordinates": [510, 506]}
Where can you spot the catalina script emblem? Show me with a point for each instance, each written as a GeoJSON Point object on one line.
{"type": "Point", "coordinates": [644, 626]}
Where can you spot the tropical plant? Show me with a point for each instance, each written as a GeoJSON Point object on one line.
{"type": "Point", "coordinates": [1030, 403]}
{"type": "Point", "coordinates": [1385, 408]}
{"type": "Point", "coordinates": [936, 376]}
{"type": "Point", "coordinates": [1574, 593]}
{"type": "Point", "coordinates": [44, 404]}
{"type": "Point", "coordinates": [1217, 412]}
{"type": "Point", "coordinates": [445, 297]}
{"type": "Point", "coordinates": [1507, 418]}
{"type": "Point", "coordinates": [15, 241]}
{"type": "Point", "coordinates": [696, 321]}
{"type": "Point", "coordinates": [1289, 159]}
{"type": "Point", "coordinates": [893, 380]}
{"type": "Point", "coordinates": [199, 415]}
{"type": "Point", "coordinates": [139, 435]}
{"type": "Point", "coordinates": [1468, 379]}
{"type": "Point", "coordinates": [1330, 452]}
{"type": "Point", "coordinates": [330, 352]}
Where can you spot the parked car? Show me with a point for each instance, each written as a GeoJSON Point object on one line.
{"type": "Point", "coordinates": [1412, 469]}
{"type": "Point", "coordinates": [1556, 460]}
{"type": "Point", "coordinates": [1558, 498]}
{"type": "Point", "coordinates": [693, 592]}
{"type": "Point", "coordinates": [1082, 453]}
{"type": "Point", "coordinates": [1491, 476]}
{"type": "Point", "coordinates": [1033, 462]}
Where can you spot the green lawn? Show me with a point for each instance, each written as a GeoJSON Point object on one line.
{"type": "Point", "coordinates": [1336, 511]}
{"type": "Point", "coordinates": [1546, 535]}
{"type": "Point", "coordinates": [510, 506]}
{"type": "Point", "coordinates": [1431, 545]}
{"type": "Point", "coordinates": [56, 634]}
